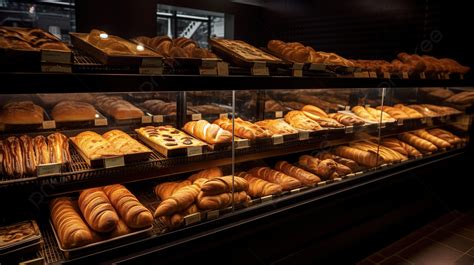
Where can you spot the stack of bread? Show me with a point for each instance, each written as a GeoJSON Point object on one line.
{"type": "Point", "coordinates": [105, 212]}
{"type": "Point", "coordinates": [205, 190]}
{"type": "Point", "coordinates": [181, 47]}
{"type": "Point", "coordinates": [297, 52]}
{"type": "Point", "coordinates": [21, 156]}
{"type": "Point", "coordinates": [29, 39]}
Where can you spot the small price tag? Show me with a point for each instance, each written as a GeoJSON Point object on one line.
{"type": "Point", "coordinates": [156, 62]}
{"type": "Point", "coordinates": [260, 71]}
{"type": "Point", "coordinates": [400, 122]}
{"type": "Point", "coordinates": [461, 76]}
{"type": "Point", "coordinates": [359, 173]}
{"type": "Point", "coordinates": [295, 190]}
{"type": "Point", "coordinates": [361, 74]}
{"type": "Point", "coordinates": [277, 139]}
{"type": "Point", "coordinates": [337, 179]}
{"type": "Point", "coordinates": [423, 120]}
{"type": "Point", "coordinates": [48, 170]}
{"type": "Point", "coordinates": [317, 67]}
{"type": "Point", "coordinates": [242, 143]}
{"type": "Point", "coordinates": [429, 121]}
{"type": "Point", "coordinates": [222, 68]}
{"type": "Point", "coordinates": [213, 215]}
{"type": "Point", "coordinates": [157, 118]}
{"type": "Point", "coordinates": [192, 218]}
{"type": "Point", "coordinates": [48, 56]}
{"type": "Point", "coordinates": [100, 122]}
{"type": "Point", "coordinates": [372, 74]}
{"type": "Point", "coordinates": [194, 150]}
{"type": "Point", "coordinates": [446, 76]}
{"type": "Point", "coordinates": [322, 183]}
{"type": "Point", "coordinates": [49, 124]}
{"type": "Point", "coordinates": [196, 117]}
{"type": "Point", "coordinates": [206, 63]}
{"type": "Point", "coordinates": [144, 70]}
{"type": "Point", "coordinates": [349, 129]}
{"type": "Point", "coordinates": [114, 162]}
{"type": "Point", "coordinates": [347, 108]}
{"type": "Point", "coordinates": [405, 75]}
{"type": "Point", "coordinates": [350, 175]}
{"type": "Point", "coordinates": [223, 116]}
{"type": "Point", "coordinates": [297, 72]}
{"type": "Point", "coordinates": [278, 114]}
{"type": "Point", "coordinates": [146, 119]}
{"type": "Point", "coordinates": [266, 198]}
{"type": "Point", "coordinates": [386, 75]}
{"type": "Point", "coordinates": [303, 135]}
{"type": "Point", "coordinates": [422, 75]}
{"type": "Point", "coordinates": [207, 71]}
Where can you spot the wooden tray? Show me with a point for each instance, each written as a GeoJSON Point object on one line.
{"type": "Point", "coordinates": [107, 162]}
{"type": "Point", "coordinates": [183, 151]}
{"type": "Point", "coordinates": [80, 42]}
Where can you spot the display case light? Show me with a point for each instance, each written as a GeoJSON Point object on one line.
{"type": "Point", "coordinates": [140, 47]}
{"type": "Point", "coordinates": [104, 35]}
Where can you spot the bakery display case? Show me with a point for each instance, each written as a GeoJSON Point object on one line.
{"type": "Point", "coordinates": [115, 170]}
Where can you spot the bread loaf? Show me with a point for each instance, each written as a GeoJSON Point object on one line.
{"type": "Point", "coordinates": [97, 210]}
{"type": "Point", "coordinates": [299, 120]}
{"type": "Point", "coordinates": [166, 189]}
{"type": "Point", "coordinates": [351, 164]}
{"type": "Point", "coordinates": [440, 143]}
{"type": "Point", "coordinates": [131, 211]}
{"type": "Point", "coordinates": [210, 133]}
{"type": "Point", "coordinates": [401, 147]}
{"type": "Point", "coordinates": [368, 159]}
{"type": "Point", "coordinates": [94, 146]}
{"type": "Point", "coordinates": [69, 110]}
{"type": "Point", "coordinates": [28, 152]}
{"type": "Point", "coordinates": [259, 187]}
{"type": "Point", "coordinates": [118, 108]}
{"type": "Point", "coordinates": [16, 156]}
{"type": "Point", "coordinates": [42, 150]}
{"type": "Point", "coordinates": [22, 112]}
{"type": "Point", "coordinates": [315, 111]}
{"type": "Point", "coordinates": [364, 114]}
{"type": "Point", "coordinates": [224, 185]}
{"type": "Point", "coordinates": [445, 135]}
{"type": "Point", "coordinates": [70, 228]}
{"type": "Point", "coordinates": [268, 174]}
{"type": "Point", "coordinates": [387, 154]}
{"type": "Point", "coordinates": [124, 143]}
{"type": "Point", "coordinates": [323, 121]}
{"type": "Point", "coordinates": [409, 111]}
{"type": "Point", "coordinates": [417, 142]}
{"type": "Point", "coordinates": [326, 169]}
{"type": "Point", "coordinates": [179, 201]}
{"type": "Point", "coordinates": [304, 176]}
{"type": "Point", "coordinates": [210, 173]}
{"type": "Point", "coordinates": [243, 129]}
{"type": "Point", "coordinates": [220, 201]}
{"type": "Point", "coordinates": [394, 112]}
{"type": "Point", "coordinates": [348, 120]}
{"type": "Point", "coordinates": [277, 126]}
{"type": "Point", "coordinates": [424, 111]}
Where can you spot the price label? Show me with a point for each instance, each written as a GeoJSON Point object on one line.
{"type": "Point", "coordinates": [429, 121]}
{"type": "Point", "coordinates": [359, 173]}
{"type": "Point", "coordinates": [317, 67]}
{"type": "Point", "coordinates": [303, 135]}
{"type": "Point", "coordinates": [400, 122]}
{"type": "Point", "coordinates": [206, 63]}
{"type": "Point", "coordinates": [223, 116]}
{"type": "Point", "coordinates": [297, 72]}
{"type": "Point", "coordinates": [156, 62]}
{"type": "Point", "coordinates": [114, 162]}
{"type": "Point", "coordinates": [213, 215]}
{"type": "Point", "coordinates": [423, 120]}
{"type": "Point", "coordinates": [192, 218]}
{"type": "Point", "coordinates": [361, 74]}
{"type": "Point", "coordinates": [194, 150]}
{"type": "Point", "coordinates": [372, 74]}
{"type": "Point", "coordinates": [337, 179]}
{"type": "Point", "coordinates": [350, 175]}
{"type": "Point", "coordinates": [405, 75]}
{"type": "Point", "coordinates": [100, 122]}
{"type": "Point", "coordinates": [55, 57]}
{"type": "Point", "coordinates": [242, 143]}
{"type": "Point", "coordinates": [48, 170]}
{"type": "Point", "coordinates": [349, 129]}
{"type": "Point", "coordinates": [347, 108]}
{"type": "Point", "coordinates": [446, 76]}
{"type": "Point", "coordinates": [422, 75]}
{"type": "Point", "coordinates": [386, 75]}
{"type": "Point", "coordinates": [278, 114]}
{"type": "Point", "coordinates": [49, 124]}
{"type": "Point", "coordinates": [222, 68]}
{"type": "Point", "coordinates": [196, 117]}
{"type": "Point", "coordinates": [151, 70]}
{"type": "Point", "coordinates": [266, 198]}
{"type": "Point", "coordinates": [322, 183]}
{"type": "Point", "coordinates": [208, 71]}
{"type": "Point", "coordinates": [157, 118]}
{"type": "Point", "coordinates": [260, 71]}
{"type": "Point", "coordinates": [146, 119]}
{"type": "Point", "coordinates": [295, 190]}
{"type": "Point", "coordinates": [277, 139]}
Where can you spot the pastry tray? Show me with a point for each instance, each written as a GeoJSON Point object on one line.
{"type": "Point", "coordinates": [30, 242]}
{"type": "Point", "coordinates": [100, 245]}
{"type": "Point", "coordinates": [230, 56]}
{"type": "Point", "coordinates": [78, 40]}
{"type": "Point", "coordinates": [111, 161]}
{"type": "Point", "coordinates": [183, 151]}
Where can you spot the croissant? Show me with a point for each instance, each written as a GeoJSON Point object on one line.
{"type": "Point", "coordinates": [210, 133]}
{"type": "Point", "coordinates": [440, 143]}
{"type": "Point", "coordinates": [304, 176]}
{"type": "Point", "coordinates": [418, 142]}
{"type": "Point", "coordinates": [268, 174]}
{"type": "Point", "coordinates": [323, 168]}
{"type": "Point", "coordinates": [259, 187]}
{"type": "Point", "coordinates": [224, 185]}
{"type": "Point", "coordinates": [180, 200]}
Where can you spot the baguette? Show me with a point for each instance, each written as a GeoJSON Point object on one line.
{"type": "Point", "coordinates": [97, 210]}
{"type": "Point", "coordinates": [300, 121]}
{"type": "Point", "coordinates": [131, 211]}
{"type": "Point", "coordinates": [445, 135]}
{"type": "Point", "coordinates": [220, 201]}
{"type": "Point", "coordinates": [315, 111]}
{"type": "Point", "coordinates": [326, 169]}
{"type": "Point", "coordinates": [259, 187]}
{"type": "Point", "coordinates": [179, 201]}
{"type": "Point", "coordinates": [210, 133]}
{"type": "Point", "coordinates": [268, 174]}
{"type": "Point", "coordinates": [304, 176]}
{"type": "Point", "coordinates": [401, 147]}
{"type": "Point", "coordinates": [387, 154]}
{"type": "Point", "coordinates": [347, 120]}
{"type": "Point", "coordinates": [368, 159]}
{"type": "Point", "coordinates": [394, 112]}
{"type": "Point", "coordinates": [440, 143]}
{"type": "Point", "coordinates": [417, 142]}
{"type": "Point", "coordinates": [409, 111]}
{"type": "Point", "coordinates": [224, 184]}
{"type": "Point", "coordinates": [243, 129]}
{"type": "Point", "coordinates": [364, 114]}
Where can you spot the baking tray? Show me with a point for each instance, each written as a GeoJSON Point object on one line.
{"type": "Point", "coordinates": [229, 56]}
{"type": "Point", "coordinates": [100, 245]}
{"type": "Point", "coordinates": [33, 241]}
{"type": "Point", "coordinates": [107, 162]}
{"type": "Point", "coordinates": [78, 40]}
{"type": "Point", "coordinates": [184, 151]}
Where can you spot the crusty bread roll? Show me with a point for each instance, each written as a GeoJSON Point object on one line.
{"type": "Point", "coordinates": [419, 143]}
{"type": "Point", "coordinates": [304, 176]}
{"type": "Point", "coordinates": [210, 133]}
{"type": "Point", "coordinates": [73, 111]}
{"type": "Point", "coordinates": [440, 143]}
{"type": "Point", "coordinates": [215, 202]}
{"type": "Point", "coordinates": [210, 173]}
{"type": "Point", "coordinates": [97, 210]}
{"type": "Point", "coordinates": [368, 159]}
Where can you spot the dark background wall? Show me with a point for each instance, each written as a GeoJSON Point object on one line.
{"type": "Point", "coordinates": [366, 29]}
